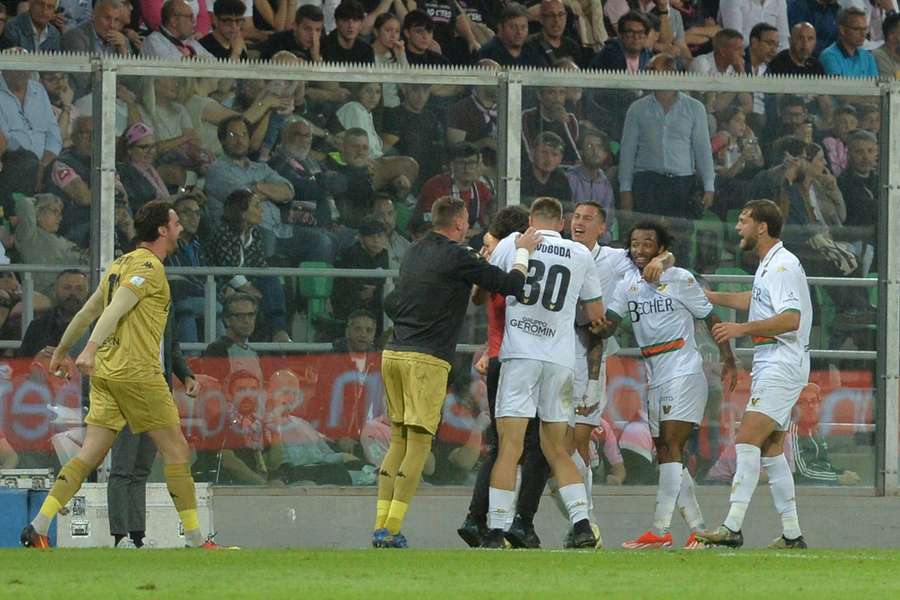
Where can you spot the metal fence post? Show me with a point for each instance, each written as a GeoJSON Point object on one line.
{"type": "Point", "coordinates": [509, 134]}
{"type": "Point", "coordinates": [103, 171]}
{"type": "Point", "coordinates": [888, 343]}
{"type": "Point", "coordinates": [209, 309]}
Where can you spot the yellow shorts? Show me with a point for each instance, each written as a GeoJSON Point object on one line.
{"type": "Point", "coordinates": [144, 405]}
{"type": "Point", "coordinates": [415, 385]}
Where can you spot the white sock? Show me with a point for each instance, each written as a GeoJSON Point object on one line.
{"type": "Point", "coordinates": [502, 504]}
{"type": "Point", "coordinates": [666, 495]}
{"type": "Point", "coordinates": [746, 476]}
{"type": "Point", "coordinates": [574, 498]}
{"type": "Point", "coordinates": [687, 503]}
{"type": "Point", "coordinates": [588, 477]}
{"type": "Point", "coordinates": [781, 484]}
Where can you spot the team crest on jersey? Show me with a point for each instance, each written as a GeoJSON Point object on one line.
{"type": "Point", "coordinates": [690, 280]}
{"type": "Point", "coordinates": [780, 269]}
{"type": "Point", "coordinates": [667, 409]}
{"type": "Point", "coordinates": [632, 289]}
{"type": "Point", "coordinates": [148, 264]}
{"type": "Point", "coordinates": [754, 401]}
{"type": "Point", "coordinates": [662, 288]}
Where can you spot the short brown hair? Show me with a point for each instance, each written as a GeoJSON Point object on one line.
{"type": "Point", "coordinates": [149, 218]}
{"type": "Point", "coordinates": [547, 208]}
{"type": "Point", "coordinates": [766, 211]}
{"type": "Point", "coordinates": [444, 210]}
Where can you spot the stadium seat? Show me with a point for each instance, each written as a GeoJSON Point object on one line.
{"type": "Point", "coordinates": [316, 291]}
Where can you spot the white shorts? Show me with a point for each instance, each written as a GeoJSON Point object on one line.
{"type": "Point", "coordinates": [578, 390]}
{"type": "Point", "coordinates": [774, 398]}
{"type": "Point", "coordinates": [679, 399]}
{"type": "Point", "coordinates": [530, 387]}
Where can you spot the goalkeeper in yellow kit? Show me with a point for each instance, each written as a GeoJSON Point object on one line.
{"type": "Point", "coordinates": [123, 358]}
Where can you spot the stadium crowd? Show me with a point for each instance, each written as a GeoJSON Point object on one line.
{"type": "Point", "coordinates": [287, 173]}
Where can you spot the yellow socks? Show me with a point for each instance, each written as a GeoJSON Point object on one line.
{"type": "Point", "coordinates": [181, 488]}
{"type": "Point", "coordinates": [387, 472]}
{"type": "Point", "coordinates": [66, 485]}
{"type": "Point", "coordinates": [418, 448]}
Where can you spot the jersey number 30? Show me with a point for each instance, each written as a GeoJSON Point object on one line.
{"type": "Point", "coordinates": [554, 285]}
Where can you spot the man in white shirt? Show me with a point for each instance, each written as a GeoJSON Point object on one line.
{"type": "Point", "coordinates": [538, 359]}
{"type": "Point", "coordinates": [779, 324]}
{"type": "Point", "coordinates": [174, 39]}
{"type": "Point", "coordinates": [662, 317]}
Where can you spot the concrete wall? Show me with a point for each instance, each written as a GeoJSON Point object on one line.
{"type": "Point", "coordinates": [342, 518]}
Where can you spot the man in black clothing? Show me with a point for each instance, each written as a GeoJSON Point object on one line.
{"type": "Point", "coordinates": [418, 31]}
{"type": "Point", "coordinates": [418, 131]}
{"type": "Point", "coordinates": [508, 47]}
{"type": "Point", "coordinates": [226, 40]}
{"type": "Point", "coordinates": [543, 176]}
{"type": "Point", "coordinates": [552, 40]}
{"type": "Point", "coordinates": [69, 295]}
{"type": "Point", "coordinates": [798, 59]}
{"type": "Point", "coordinates": [343, 44]}
{"type": "Point", "coordinates": [860, 188]}
{"type": "Point", "coordinates": [427, 308]}
{"type": "Point", "coordinates": [302, 40]}
{"type": "Point", "coordinates": [369, 252]}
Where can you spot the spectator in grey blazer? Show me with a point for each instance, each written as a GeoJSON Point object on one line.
{"type": "Point", "coordinates": [33, 30]}
{"type": "Point", "coordinates": [98, 36]}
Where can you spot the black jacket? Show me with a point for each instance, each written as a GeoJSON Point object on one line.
{"type": "Point", "coordinates": [431, 297]}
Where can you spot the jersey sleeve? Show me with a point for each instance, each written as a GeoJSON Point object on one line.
{"type": "Point", "coordinates": [144, 278]}
{"type": "Point", "coordinates": [784, 289]}
{"type": "Point", "coordinates": [692, 296]}
{"type": "Point", "coordinates": [591, 289]}
{"type": "Point", "coordinates": [619, 262]}
{"type": "Point", "coordinates": [616, 303]}
{"type": "Point", "coordinates": [504, 254]}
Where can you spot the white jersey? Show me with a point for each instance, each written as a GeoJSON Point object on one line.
{"type": "Point", "coordinates": [662, 317]}
{"type": "Point", "coordinates": [612, 266]}
{"type": "Point", "coordinates": [560, 273]}
{"type": "Point", "coordinates": [780, 286]}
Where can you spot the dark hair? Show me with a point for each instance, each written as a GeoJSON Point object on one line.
{"type": "Point", "coordinates": [462, 150]}
{"type": "Point", "coordinates": [236, 205]}
{"type": "Point", "coordinates": [149, 218]}
{"type": "Point", "coordinates": [230, 8]}
{"type": "Point", "coordinates": [349, 9]}
{"type": "Point", "coordinates": [418, 18]}
{"type": "Point", "coordinates": [549, 138]}
{"type": "Point", "coordinates": [846, 14]}
{"type": "Point", "coordinates": [663, 236]}
{"type": "Point", "coordinates": [766, 211]}
{"type": "Point", "coordinates": [845, 109]}
{"type": "Point", "coordinates": [383, 18]}
{"type": "Point", "coordinates": [513, 10]}
{"type": "Point", "coordinates": [68, 271]}
{"type": "Point", "coordinates": [635, 17]}
{"type": "Point", "coordinates": [600, 210]}
{"type": "Point", "coordinates": [789, 144]}
{"type": "Point", "coordinates": [724, 36]}
{"type": "Point", "coordinates": [358, 314]}
{"type": "Point", "coordinates": [234, 299]}
{"type": "Point", "coordinates": [728, 113]}
{"type": "Point", "coordinates": [891, 22]}
{"type": "Point", "coordinates": [589, 131]}
{"type": "Point", "coordinates": [545, 207]}
{"type": "Point", "coordinates": [761, 28]}
{"type": "Point", "coordinates": [508, 220]}
{"type": "Point", "coordinates": [789, 100]}
{"type": "Point", "coordinates": [167, 12]}
{"type": "Point", "coordinates": [356, 132]}
{"type": "Point", "coordinates": [865, 110]}
{"type": "Point", "coordinates": [222, 132]}
{"type": "Point", "coordinates": [444, 210]}
{"type": "Point", "coordinates": [310, 12]}
{"type": "Point", "coordinates": [861, 135]}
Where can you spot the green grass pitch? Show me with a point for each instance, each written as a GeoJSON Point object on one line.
{"type": "Point", "coordinates": [298, 574]}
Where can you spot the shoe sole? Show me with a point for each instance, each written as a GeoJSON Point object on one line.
{"type": "Point", "coordinates": [470, 538]}
{"type": "Point", "coordinates": [653, 546]}
{"type": "Point", "coordinates": [724, 544]}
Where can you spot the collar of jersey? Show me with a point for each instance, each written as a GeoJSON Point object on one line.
{"type": "Point", "coordinates": [549, 232]}
{"type": "Point", "coordinates": [771, 254]}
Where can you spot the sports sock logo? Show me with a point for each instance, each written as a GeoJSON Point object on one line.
{"type": "Point", "coordinates": [383, 473]}
{"type": "Point", "coordinates": [401, 474]}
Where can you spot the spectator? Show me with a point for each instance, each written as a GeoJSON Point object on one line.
{"type": "Point", "coordinates": [868, 117]}
{"type": "Point", "coordinates": [614, 465]}
{"type": "Point", "coordinates": [798, 58]}
{"type": "Point", "coordinates": [175, 37]}
{"type": "Point", "coordinates": [150, 12]}
{"type": "Point", "coordinates": [727, 57]}
{"type": "Point", "coordinates": [763, 47]}
{"type": "Point", "coordinates": [744, 15]}
{"type": "Point", "coordinates": [412, 129]}
{"type": "Point", "coordinates": [69, 294]}
{"type": "Point", "coordinates": [672, 36]}
{"type": "Point", "coordinates": [388, 49]}
{"type": "Point", "coordinates": [101, 35]}
{"type": "Point", "coordinates": [31, 133]}
{"type": "Point", "coordinates": [588, 180]}
{"type": "Point", "coordinates": [226, 41]}
{"type": "Point", "coordinates": [628, 52]}
{"type": "Point", "coordinates": [273, 15]}
{"type": "Point", "coordinates": [860, 188]}
{"type": "Point", "coordinates": [302, 39]}
{"type": "Point", "coordinates": [34, 31]}
{"type": "Point", "coordinates": [738, 158]}
{"type": "Point", "coordinates": [551, 41]}
{"type": "Point", "coordinates": [845, 123]}
{"type": "Point", "coordinates": [188, 291]}
{"type": "Point", "coordinates": [130, 27]}
{"type": "Point", "coordinates": [239, 243]}
{"type": "Point", "coordinates": [508, 48]}
{"type": "Point", "coordinates": [235, 171]}
{"type": "Point", "coordinates": [396, 245]}
{"type": "Point", "coordinates": [69, 177]}
{"type": "Point", "coordinates": [239, 311]}
{"type": "Point", "coordinates": [650, 161]}
{"type": "Point", "coordinates": [369, 252]}
{"type": "Point", "coordinates": [61, 94]}
{"type": "Point", "coordinates": [887, 57]}
{"type": "Point", "coordinates": [543, 175]}
{"type": "Point", "coordinates": [343, 44]}
{"type": "Point", "coordinates": [418, 31]}
{"type": "Point", "coordinates": [792, 114]}
{"type": "Point", "coordinates": [811, 459]}
{"type": "Point", "coordinates": [846, 57]}
{"type": "Point", "coordinates": [461, 181]}
{"type": "Point", "coordinates": [140, 178]}
{"type": "Point", "coordinates": [38, 240]}
{"type": "Point", "coordinates": [474, 118]}
{"type": "Point", "coordinates": [357, 114]}
{"type": "Point", "coordinates": [821, 14]}
{"type": "Point", "coordinates": [551, 115]}
{"type": "Point", "coordinates": [876, 12]}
